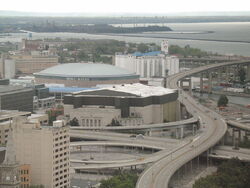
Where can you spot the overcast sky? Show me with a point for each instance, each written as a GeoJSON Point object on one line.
{"type": "Point", "coordinates": [124, 6]}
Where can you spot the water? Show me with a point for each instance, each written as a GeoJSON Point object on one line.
{"type": "Point", "coordinates": [235, 36]}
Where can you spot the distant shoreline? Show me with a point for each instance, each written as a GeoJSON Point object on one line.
{"type": "Point", "coordinates": [177, 38]}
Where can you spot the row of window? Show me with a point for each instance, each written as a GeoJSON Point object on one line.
{"type": "Point", "coordinates": [61, 166]}
{"type": "Point", "coordinates": [24, 172]}
{"type": "Point", "coordinates": [91, 122]}
{"type": "Point", "coordinates": [24, 179]}
{"type": "Point", "coordinates": [61, 137]}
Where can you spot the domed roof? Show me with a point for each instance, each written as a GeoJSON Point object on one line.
{"type": "Point", "coordinates": [84, 70]}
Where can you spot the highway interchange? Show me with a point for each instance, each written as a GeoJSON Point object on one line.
{"type": "Point", "coordinates": [167, 161]}
{"type": "Point", "coordinates": [158, 175]}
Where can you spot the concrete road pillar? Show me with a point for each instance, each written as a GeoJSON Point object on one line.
{"type": "Point", "coordinates": [190, 85]}
{"type": "Point", "coordinates": [150, 133]}
{"type": "Point", "coordinates": [178, 111]}
{"type": "Point", "coordinates": [210, 82]}
{"type": "Point", "coordinates": [181, 84]}
{"type": "Point", "coordinates": [194, 129]}
{"type": "Point", "coordinates": [248, 73]}
{"type": "Point", "coordinates": [219, 74]}
{"type": "Point", "coordinates": [239, 137]}
{"type": "Point", "coordinates": [201, 83]}
{"type": "Point", "coordinates": [181, 132]}
{"type": "Point", "coordinates": [176, 133]}
{"type": "Point", "coordinates": [233, 137]}
{"type": "Point", "coordinates": [227, 74]}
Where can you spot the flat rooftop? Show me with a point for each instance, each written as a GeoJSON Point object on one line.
{"type": "Point", "coordinates": [7, 114]}
{"type": "Point", "coordinates": [5, 89]}
{"type": "Point", "coordinates": [137, 89]}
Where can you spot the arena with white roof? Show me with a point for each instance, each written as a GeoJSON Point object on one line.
{"type": "Point", "coordinates": [85, 75]}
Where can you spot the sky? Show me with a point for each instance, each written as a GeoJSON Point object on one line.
{"type": "Point", "coordinates": [124, 6]}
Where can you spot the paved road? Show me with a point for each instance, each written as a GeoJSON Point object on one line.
{"type": "Point", "coordinates": [159, 174]}
{"type": "Point", "coordinates": [111, 136]}
{"type": "Point", "coordinates": [159, 126]}
{"type": "Point", "coordinates": [116, 143]}
{"type": "Point", "coordinates": [80, 165]}
{"type": "Point", "coordinates": [238, 125]}
{"type": "Point", "coordinates": [227, 152]}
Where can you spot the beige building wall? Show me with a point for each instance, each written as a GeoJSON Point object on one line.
{"type": "Point", "coordinates": [46, 149]}
{"type": "Point", "coordinates": [150, 114]}
{"type": "Point", "coordinates": [169, 111]}
{"type": "Point", "coordinates": [4, 131]}
{"type": "Point", "coordinates": [94, 116]}
{"type": "Point", "coordinates": [28, 64]}
{"type": "Point", "coordinates": [25, 176]}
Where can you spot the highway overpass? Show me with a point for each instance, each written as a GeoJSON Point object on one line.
{"type": "Point", "coordinates": [158, 175]}
{"type": "Point", "coordinates": [227, 152]}
{"type": "Point", "coordinates": [160, 126]}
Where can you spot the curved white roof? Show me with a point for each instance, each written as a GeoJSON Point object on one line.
{"type": "Point", "coordinates": [84, 70]}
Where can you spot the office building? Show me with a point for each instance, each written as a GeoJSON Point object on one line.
{"type": "Point", "coordinates": [45, 149]}
{"type": "Point", "coordinates": [16, 98]}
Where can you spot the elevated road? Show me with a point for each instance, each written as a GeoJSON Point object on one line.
{"type": "Point", "coordinates": [81, 164]}
{"type": "Point", "coordinates": [117, 137]}
{"type": "Point", "coordinates": [227, 152]}
{"type": "Point", "coordinates": [238, 125]}
{"type": "Point", "coordinates": [116, 144]}
{"type": "Point", "coordinates": [159, 174]}
{"type": "Point", "coordinates": [159, 126]}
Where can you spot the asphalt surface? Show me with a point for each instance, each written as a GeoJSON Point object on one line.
{"type": "Point", "coordinates": [213, 125]}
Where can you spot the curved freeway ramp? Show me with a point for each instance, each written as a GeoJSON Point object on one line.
{"type": "Point", "coordinates": [159, 174]}
{"type": "Point", "coordinates": [175, 124]}
{"type": "Point", "coordinates": [238, 125]}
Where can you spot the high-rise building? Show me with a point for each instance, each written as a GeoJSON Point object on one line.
{"type": "Point", "coordinates": [156, 64]}
{"type": "Point", "coordinates": [10, 168]}
{"type": "Point", "coordinates": [45, 149]}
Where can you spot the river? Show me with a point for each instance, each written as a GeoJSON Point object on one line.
{"type": "Point", "coordinates": [234, 36]}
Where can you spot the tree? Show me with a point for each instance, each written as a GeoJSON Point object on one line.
{"type": "Point", "coordinates": [230, 174]}
{"type": "Point", "coordinates": [223, 101]}
{"type": "Point", "coordinates": [124, 180]}
{"type": "Point", "coordinates": [142, 48]}
{"type": "Point", "coordinates": [114, 122]}
{"type": "Point", "coordinates": [74, 122]}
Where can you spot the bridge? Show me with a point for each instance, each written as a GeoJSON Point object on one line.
{"type": "Point", "coordinates": [227, 152]}
{"type": "Point", "coordinates": [158, 175]}
{"type": "Point", "coordinates": [150, 127]}
{"type": "Point", "coordinates": [125, 138]}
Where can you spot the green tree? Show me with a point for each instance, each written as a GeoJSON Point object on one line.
{"type": "Point", "coordinates": [230, 174]}
{"type": "Point", "coordinates": [222, 101]}
{"type": "Point", "coordinates": [142, 48]}
{"type": "Point", "coordinates": [74, 122]}
{"type": "Point", "coordinates": [124, 180]}
{"type": "Point", "coordinates": [82, 55]}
